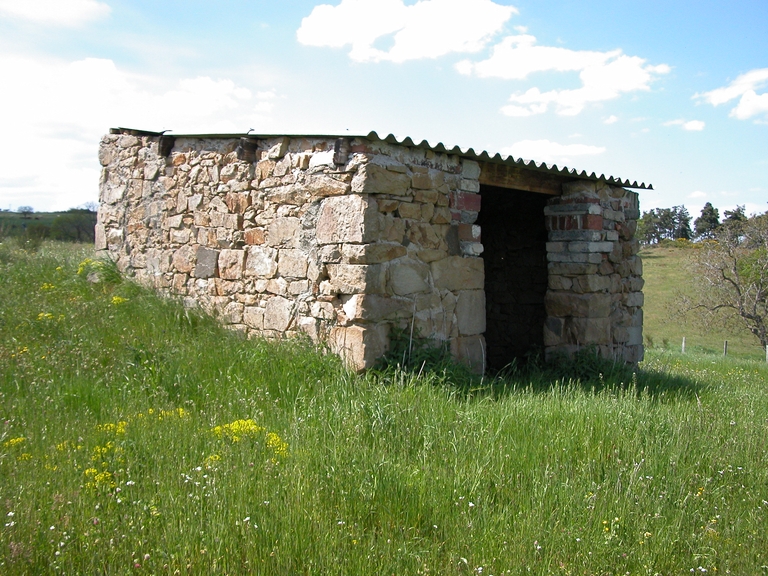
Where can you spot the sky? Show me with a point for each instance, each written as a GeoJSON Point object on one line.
{"type": "Point", "coordinates": [671, 93]}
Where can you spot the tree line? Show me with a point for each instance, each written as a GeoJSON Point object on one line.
{"type": "Point", "coordinates": [674, 223]}
{"type": "Point", "coordinates": [74, 225]}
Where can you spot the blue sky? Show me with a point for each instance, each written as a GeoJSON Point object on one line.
{"type": "Point", "coordinates": [670, 93]}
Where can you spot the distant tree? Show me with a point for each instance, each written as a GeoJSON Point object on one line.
{"type": "Point", "coordinates": [706, 225]}
{"type": "Point", "coordinates": [25, 211]}
{"type": "Point", "coordinates": [681, 223]}
{"type": "Point", "coordinates": [731, 275]}
{"type": "Point", "coordinates": [660, 224]}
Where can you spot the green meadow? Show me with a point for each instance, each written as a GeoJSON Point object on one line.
{"type": "Point", "coordinates": [137, 437]}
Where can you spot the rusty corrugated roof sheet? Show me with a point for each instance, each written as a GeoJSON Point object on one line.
{"type": "Point", "coordinates": [482, 156]}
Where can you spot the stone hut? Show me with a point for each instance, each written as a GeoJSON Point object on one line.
{"type": "Point", "coordinates": [347, 238]}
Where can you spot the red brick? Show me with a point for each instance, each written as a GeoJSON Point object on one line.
{"type": "Point", "coordinates": [593, 222]}
{"type": "Point", "coordinates": [465, 233]}
{"type": "Point", "coordinates": [466, 201]}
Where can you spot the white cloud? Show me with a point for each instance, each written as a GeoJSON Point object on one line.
{"type": "Point", "coordinates": [697, 194]}
{"type": "Point", "coordinates": [744, 87]}
{"type": "Point", "coordinates": [63, 108]}
{"type": "Point", "coordinates": [611, 119]}
{"type": "Point", "coordinates": [690, 125]}
{"type": "Point", "coordinates": [426, 29]}
{"type": "Point", "coordinates": [550, 152]}
{"type": "Point", "coordinates": [603, 75]}
{"type": "Point", "coordinates": [55, 12]}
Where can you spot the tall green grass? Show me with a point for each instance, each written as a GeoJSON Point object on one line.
{"type": "Point", "coordinates": [140, 437]}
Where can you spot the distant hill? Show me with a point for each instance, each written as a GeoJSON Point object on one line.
{"type": "Point", "coordinates": [666, 276]}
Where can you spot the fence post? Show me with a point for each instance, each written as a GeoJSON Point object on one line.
{"type": "Point", "coordinates": [725, 348]}
{"type": "Point", "coordinates": [683, 344]}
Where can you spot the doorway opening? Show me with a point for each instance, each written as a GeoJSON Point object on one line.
{"type": "Point", "coordinates": [514, 238]}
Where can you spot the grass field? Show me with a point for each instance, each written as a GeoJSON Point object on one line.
{"type": "Point", "coordinates": [666, 275]}
{"type": "Point", "coordinates": [140, 438]}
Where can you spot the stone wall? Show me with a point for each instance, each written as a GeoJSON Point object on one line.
{"type": "Point", "coordinates": [595, 273]}
{"type": "Point", "coordinates": [338, 239]}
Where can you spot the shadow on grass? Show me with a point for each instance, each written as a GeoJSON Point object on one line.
{"type": "Point", "coordinates": [584, 371]}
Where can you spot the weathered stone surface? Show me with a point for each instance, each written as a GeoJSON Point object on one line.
{"type": "Point", "coordinates": [292, 264]}
{"type": "Point", "coordinates": [591, 283]}
{"type": "Point", "coordinates": [323, 185]}
{"type": "Point", "coordinates": [470, 312]}
{"type": "Point", "coordinates": [374, 179]}
{"type": "Point", "coordinates": [408, 277]}
{"type": "Point", "coordinates": [562, 304]}
{"type": "Point", "coordinates": [231, 264]}
{"type": "Point", "coordinates": [347, 219]}
{"type": "Point", "coordinates": [278, 314]}
{"type": "Point", "coordinates": [458, 273]}
{"type": "Point", "coordinates": [634, 299]}
{"type": "Point", "coordinates": [410, 210]}
{"type": "Point", "coordinates": [359, 346]}
{"type": "Point", "coordinates": [254, 236]}
{"type": "Point", "coordinates": [261, 262]}
{"type": "Point", "coordinates": [254, 317]}
{"type": "Point", "coordinates": [357, 278]}
{"type": "Point", "coordinates": [375, 307]}
{"type": "Point", "coordinates": [283, 232]}
{"type": "Point", "coordinates": [585, 331]}
{"type": "Point", "coordinates": [184, 258]}
{"type": "Point", "coordinates": [372, 253]}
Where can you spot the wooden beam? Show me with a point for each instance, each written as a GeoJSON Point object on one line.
{"type": "Point", "coordinates": [517, 178]}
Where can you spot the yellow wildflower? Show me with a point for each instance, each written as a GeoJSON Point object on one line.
{"type": "Point", "coordinates": [278, 446]}
{"type": "Point", "coordinates": [116, 300]}
{"type": "Point", "coordinates": [47, 286]}
{"type": "Point", "coordinates": [14, 442]}
{"type": "Point", "coordinates": [237, 430]}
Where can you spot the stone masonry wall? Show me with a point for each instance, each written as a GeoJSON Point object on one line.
{"type": "Point", "coordinates": [338, 239]}
{"type": "Point", "coordinates": [595, 274]}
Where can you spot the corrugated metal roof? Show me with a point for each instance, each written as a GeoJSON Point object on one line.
{"type": "Point", "coordinates": [482, 156]}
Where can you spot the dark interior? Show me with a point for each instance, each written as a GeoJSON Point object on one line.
{"type": "Point", "coordinates": [514, 238]}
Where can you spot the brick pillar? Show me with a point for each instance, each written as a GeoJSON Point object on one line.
{"type": "Point", "coordinates": [594, 273]}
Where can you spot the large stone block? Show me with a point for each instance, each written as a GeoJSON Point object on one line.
{"type": "Point", "coordinates": [347, 219]}
{"type": "Point", "coordinates": [184, 258]}
{"type": "Point", "coordinates": [584, 331]}
{"type": "Point", "coordinates": [356, 278]}
{"type": "Point", "coordinates": [254, 317]}
{"type": "Point", "coordinates": [372, 253]}
{"type": "Point", "coordinates": [292, 263]}
{"type": "Point", "coordinates": [375, 179]}
{"type": "Point", "coordinates": [284, 232]}
{"type": "Point", "coordinates": [322, 185]}
{"type": "Point", "coordinates": [408, 277]}
{"type": "Point", "coordinates": [261, 262]}
{"type": "Point", "coordinates": [278, 313]}
{"type": "Point", "coordinates": [470, 312]}
{"type": "Point", "coordinates": [231, 264]}
{"type": "Point", "coordinates": [458, 273]}
{"type": "Point", "coordinates": [563, 304]}
{"type": "Point", "coordinates": [591, 283]}
{"type": "Point", "coordinates": [375, 307]}
{"type": "Point", "coordinates": [359, 346]}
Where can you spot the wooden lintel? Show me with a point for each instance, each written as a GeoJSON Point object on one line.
{"type": "Point", "coordinates": [518, 178]}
